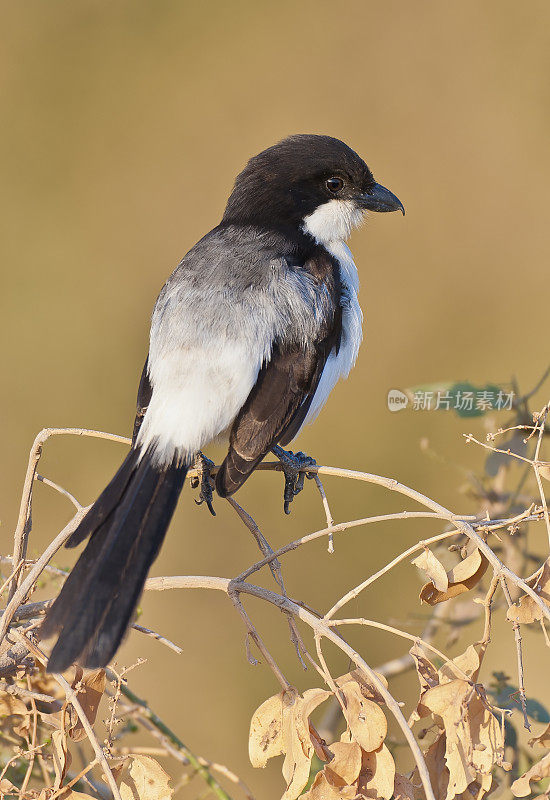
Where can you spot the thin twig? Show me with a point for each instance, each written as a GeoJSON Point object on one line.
{"type": "Point", "coordinates": [158, 637]}
{"type": "Point", "coordinates": [263, 544]}
{"type": "Point", "coordinates": [33, 745]}
{"type": "Point", "coordinates": [72, 698]}
{"type": "Point", "coordinates": [517, 637]}
{"type": "Point", "coordinates": [328, 512]}
{"type": "Point", "coordinates": [60, 489]}
{"type": "Point", "coordinates": [24, 520]}
{"type": "Point", "coordinates": [21, 592]}
{"type": "Point", "coordinates": [233, 592]}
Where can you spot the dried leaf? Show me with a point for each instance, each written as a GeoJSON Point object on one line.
{"type": "Point", "coordinates": [145, 779]}
{"type": "Point", "coordinates": [377, 776]}
{"type": "Point", "coordinates": [368, 689]}
{"type": "Point", "coordinates": [365, 719]}
{"type": "Point", "coordinates": [473, 741]}
{"type": "Point", "coordinates": [433, 568]}
{"type": "Point", "coordinates": [61, 757]}
{"type": "Point", "coordinates": [11, 708]}
{"type": "Point", "coordinates": [297, 744]}
{"type": "Point", "coordinates": [465, 664]}
{"type": "Point", "coordinates": [321, 789]}
{"type": "Point", "coordinates": [281, 726]}
{"type": "Point", "coordinates": [403, 788]}
{"type": "Point", "coordinates": [521, 787]}
{"type": "Point", "coordinates": [542, 739]}
{"type": "Point", "coordinates": [461, 578]}
{"type": "Point", "coordinates": [437, 769]}
{"type": "Point", "coordinates": [344, 768]}
{"type": "Point", "coordinates": [92, 686]}
{"type": "Point", "coordinates": [477, 789]}
{"type": "Point", "coordinates": [266, 731]}
{"type": "Point", "coordinates": [427, 673]}
{"type": "Point", "coordinates": [69, 794]}
{"type": "Point", "coordinates": [487, 738]}
{"type": "Point", "coordinates": [428, 676]}
{"type": "Point", "coordinates": [448, 702]}
{"type": "Point", "coordinates": [526, 610]}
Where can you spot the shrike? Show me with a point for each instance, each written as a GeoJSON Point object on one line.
{"type": "Point", "coordinates": [248, 337]}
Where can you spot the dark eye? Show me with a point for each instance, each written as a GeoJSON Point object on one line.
{"type": "Point", "coordinates": [334, 185]}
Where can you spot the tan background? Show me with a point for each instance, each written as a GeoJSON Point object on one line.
{"type": "Point", "coordinates": [123, 127]}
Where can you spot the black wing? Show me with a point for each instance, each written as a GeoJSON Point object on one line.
{"type": "Point", "coordinates": [276, 406]}
{"type": "Point", "coordinates": [143, 399]}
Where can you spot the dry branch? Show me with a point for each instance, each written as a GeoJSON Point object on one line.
{"type": "Point", "coordinates": [477, 531]}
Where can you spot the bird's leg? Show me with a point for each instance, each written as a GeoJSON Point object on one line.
{"type": "Point", "coordinates": [203, 479]}
{"type": "Point", "coordinates": [295, 471]}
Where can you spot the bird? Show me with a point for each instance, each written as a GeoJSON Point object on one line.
{"type": "Point", "coordinates": [248, 337]}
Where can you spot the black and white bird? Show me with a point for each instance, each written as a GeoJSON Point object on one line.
{"type": "Point", "coordinates": [248, 337]}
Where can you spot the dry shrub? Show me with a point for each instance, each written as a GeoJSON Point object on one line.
{"type": "Point", "coordinates": [462, 734]}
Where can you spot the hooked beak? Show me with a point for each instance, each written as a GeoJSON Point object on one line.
{"type": "Point", "coordinates": [378, 198]}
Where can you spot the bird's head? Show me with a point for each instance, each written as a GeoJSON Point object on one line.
{"type": "Point", "coordinates": [308, 182]}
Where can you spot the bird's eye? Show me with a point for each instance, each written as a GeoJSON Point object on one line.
{"type": "Point", "coordinates": [334, 185]}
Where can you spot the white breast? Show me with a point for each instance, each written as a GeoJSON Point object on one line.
{"type": "Point", "coordinates": [339, 364]}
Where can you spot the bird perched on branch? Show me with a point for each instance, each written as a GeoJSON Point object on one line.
{"type": "Point", "coordinates": [248, 337]}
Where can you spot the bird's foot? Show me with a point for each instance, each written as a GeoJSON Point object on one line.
{"type": "Point", "coordinates": [295, 471]}
{"type": "Point", "coordinates": [203, 479]}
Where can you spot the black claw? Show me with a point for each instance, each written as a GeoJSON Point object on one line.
{"type": "Point", "coordinates": [293, 465]}
{"type": "Point", "coordinates": [203, 466]}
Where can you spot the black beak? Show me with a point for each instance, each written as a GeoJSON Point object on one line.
{"type": "Point", "coordinates": [378, 198]}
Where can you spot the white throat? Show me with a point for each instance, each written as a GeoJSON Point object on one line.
{"type": "Point", "coordinates": [333, 221]}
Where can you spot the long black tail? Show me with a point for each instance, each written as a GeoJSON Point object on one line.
{"type": "Point", "coordinates": [126, 527]}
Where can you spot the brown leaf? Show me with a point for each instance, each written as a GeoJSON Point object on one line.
{"type": "Point", "coordinates": [521, 787]}
{"type": "Point", "coordinates": [437, 769]}
{"type": "Point", "coordinates": [477, 789]}
{"type": "Point", "coordinates": [465, 664]}
{"type": "Point", "coordinates": [377, 776]}
{"type": "Point", "coordinates": [145, 779]}
{"type": "Point", "coordinates": [266, 731]}
{"type": "Point", "coordinates": [473, 738]}
{"type": "Point", "coordinates": [344, 768]}
{"type": "Point", "coordinates": [542, 739]}
{"type": "Point", "coordinates": [487, 739]}
{"type": "Point", "coordinates": [90, 692]}
{"type": "Point", "coordinates": [11, 709]}
{"type": "Point", "coordinates": [433, 568]}
{"type": "Point", "coordinates": [526, 610]}
{"type": "Point", "coordinates": [70, 794]}
{"type": "Point", "coordinates": [368, 689]}
{"type": "Point", "coordinates": [365, 719]}
{"type": "Point", "coordinates": [61, 757]}
{"type": "Point", "coordinates": [449, 702]}
{"type": "Point", "coordinates": [321, 789]}
{"type": "Point", "coordinates": [461, 578]}
{"type": "Point", "coordinates": [427, 673]}
{"type": "Point", "coordinates": [297, 744]}
{"type": "Point", "coordinates": [428, 676]}
{"type": "Point", "coordinates": [403, 788]}
{"type": "Point", "coordinates": [281, 725]}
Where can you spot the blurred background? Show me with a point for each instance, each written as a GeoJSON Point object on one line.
{"type": "Point", "coordinates": [123, 128]}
